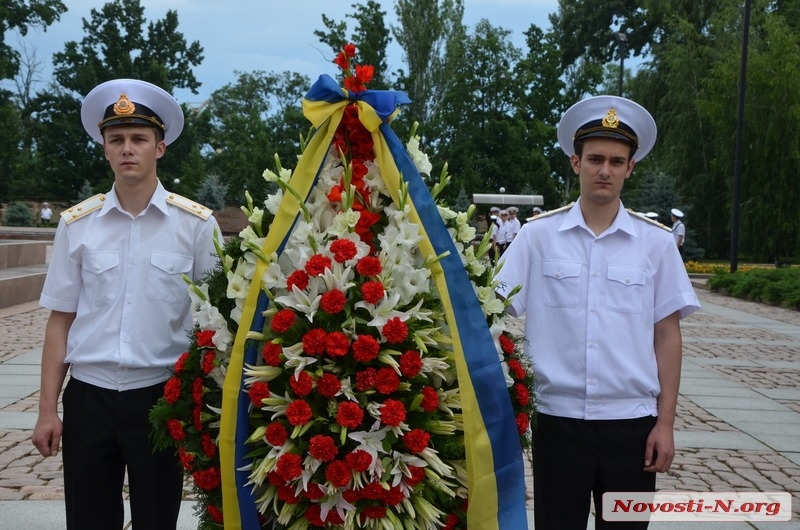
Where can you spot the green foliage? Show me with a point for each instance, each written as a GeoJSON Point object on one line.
{"type": "Point", "coordinates": [20, 16]}
{"type": "Point", "coordinates": [211, 192]}
{"type": "Point", "coordinates": [19, 213]}
{"type": "Point", "coordinates": [779, 286]}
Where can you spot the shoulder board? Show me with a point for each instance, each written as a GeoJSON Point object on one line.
{"type": "Point", "coordinates": [551, 212]}
{"type": "Point", "coordinates": [646, 219]}
{"type": "Point", "coordinates": [189, 205]}
{"type": "Point", "coordinates": [81, 209]}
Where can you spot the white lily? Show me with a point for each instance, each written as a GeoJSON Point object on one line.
{"type": "Point", "coordinates": [298, 300]}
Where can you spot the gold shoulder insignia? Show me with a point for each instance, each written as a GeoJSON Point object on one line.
{"type": "Point", "coordinates": [642, 217]}
{"type": "Point", "coordinates": [551, 212]}
{"type": "Point", "coordinates": [189, 205]}
{"type": "Point", "coordinates": [81, 209]}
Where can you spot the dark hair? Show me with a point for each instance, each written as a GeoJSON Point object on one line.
{"type": "Point", "coordinates": [578, 145]}
{"type": "Point", "coordinates": [159, 132]}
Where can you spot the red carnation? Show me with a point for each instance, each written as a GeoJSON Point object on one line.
{"type": "Point", "coordinates": [208, 362]}
{"type": "Point", "coordinates": [204, 338]}
{"type": "Point", "coordinates": [197, 418]}
{"type": "Point", "coordinates": [395, 330]}
{"type": "Point", "coordinates": [517, 371]}
{"type": "Point", "coordinates": [209, 447]}
{"type": "Point", "coordinates": [430, 399]}
{"type": "Point", "coordinates": [451, 523]}
{"type": "Point", "coordinates": [283, 321]}
{"type": "Point", "coordinates": [258, 391]}
{"type": "Point", "coordinates": [289, 466]}
{"type": "Point", "coordinates": [387, 381]}
{"type": "Point", "coordinates": [372, 491]}
{"type": "Point", "coordinates": [302, 383]}
{"type": "Point", "coordinates": [315, 342]}
{"type": "Point", "coordinates": [337, 344]}
{"type": "Point", "coordinates": [328, 385]}
{"type": "Point", "coordinates": [317, 264]}
{"type": "Point", "coordinates": [369, 266]}
{"type": "Point", "coordinates": [322, 448]}
{"type": "Point", "coordinates": [374, 512]}
{"type": "Point", "coordinates": [365, 348]}
{"type": "Point", "coordinates": [416, 440]}
{"type": "Point", "coordinates": [522, 422]}
{"type": "Point", "coordinates": [365, 379]}
{"type": "Point", "coordinates": [208, 479]}
{"type": "Point", "coordinates": [349, 415]}
{"type": "Point", "coordinates": [172, 390]}
{"type": "Point", "coordinates": [343, 250]}
{"type": "Point", "coordinates": [215, 514]}
{"type": "Point", "coordinates": [393, 413]}
{"type": "Point", "coordinates": [358, 460]}
{"type": "Point", "coordinates": [417, 474]}
{"type": "Point", "coordinates": [506, 344]}
{"type": "Point", "coordinates": [393, 496]}
{"type": "Point", "coordinates": [276, 434]}
{"type": "Point", "coordinates": [197, 390]}
{"type": "Point", "coordinates": [272, 354]}
{"type": "Point", "coordinates": [175, 430]}
{"type": "Point", "coordinates": [298, 412]}
{"type": "Point", "coordinates": [373, 291]}
{"type": "Point", "coordinates": [186, 458]}
{"type": "Point", "coordinates": [298, 278]}
{"type": "Point", "coordinates": [313, 492]}
{"type": "Point", "coordinates": [523, 396]}
{"type": "Point", "coordinates": [180, 364]}
{"type": "Point", "coordinates": [410, 364]}
{"type": "Point", "coordinates": [286, 494]}
{"type": "Point", "coordinates": [337, 473]}
{"type": "Point", "coordinates": [333, 301]}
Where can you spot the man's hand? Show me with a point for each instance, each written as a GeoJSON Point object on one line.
{"type": "Point", "coordinates": [660, 448]}
{"type": "Point", "coordinates": [47, 434]}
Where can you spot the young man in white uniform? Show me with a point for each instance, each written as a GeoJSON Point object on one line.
{"type": "Point", "coordinates": [603, 293]}
{"type": "Point", "coordinates": [120, 315]}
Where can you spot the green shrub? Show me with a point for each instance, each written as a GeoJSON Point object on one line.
{"type": "Point", "coordinates": [779, 286]}
{"type": "Point", "coordinates": [19, 214]}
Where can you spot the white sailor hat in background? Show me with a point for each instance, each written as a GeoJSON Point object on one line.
{"type": "Point", "coordinates": [513, 209]}
{"type": "Point", "coordinates": [651, 215]}
{"type": "Point", "coordinates": [608, 117]}
{"type": "Point", "coordinates": [131, 102]}
{"type": "Point", "coordinates": [677, 213]}
{"type": "Point", "coordinates": [494, 209]}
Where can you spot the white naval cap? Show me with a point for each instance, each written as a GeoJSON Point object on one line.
{"type": "Point", "coordinates": [131, 102]}
{"type": "Point", "coordinates": [608, 117]}
{"type": "Point", "coordinates": [676, 212]}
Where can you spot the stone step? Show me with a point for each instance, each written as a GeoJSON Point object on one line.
{"type": "Point", "coordinates": [19, 285]}
{"type": "Point", "coordinates": [21, 253]}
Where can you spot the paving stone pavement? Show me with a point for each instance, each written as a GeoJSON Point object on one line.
{"type": "Point", "coordinates": [738, 424]}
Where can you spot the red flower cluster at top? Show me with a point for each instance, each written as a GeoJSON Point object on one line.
{"type": "Point", "coordinates": [355, 141]}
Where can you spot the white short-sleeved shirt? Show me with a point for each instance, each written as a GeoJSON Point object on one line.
{"type": "Point", "coordinates": [514, 228]}
{"type": "Point", "coordinates": [122, 276]}
{"type": "Point", "coordinates": [679, 231]}
{"type": "Point", "coordinates": [590, 305]}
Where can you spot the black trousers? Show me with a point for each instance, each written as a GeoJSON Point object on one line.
{"type": "Point", "coordinates": [574, 460]}
{"type": "Point", "coordinates": [105, 433]}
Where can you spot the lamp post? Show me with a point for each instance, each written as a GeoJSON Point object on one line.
{"type": "Point", "coordinates": [622, 39]}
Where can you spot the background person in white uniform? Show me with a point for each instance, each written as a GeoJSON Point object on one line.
{"type": "Point", "coordinates": [120, 315]}
{"type": "Point", "coordinates": [606, 291]}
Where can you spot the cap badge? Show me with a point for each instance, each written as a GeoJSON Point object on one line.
{"type": "Point", "coordinates": [124, 106]}
{"type": "Point", "coordinates": [611, 120]}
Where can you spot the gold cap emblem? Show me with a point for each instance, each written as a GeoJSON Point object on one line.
{"type": "Point", "coordinates": [124, 106]}
{"type": "Point", "coordinates": [611, 120]}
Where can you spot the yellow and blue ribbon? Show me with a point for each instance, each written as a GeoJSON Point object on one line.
{"type": "Point", "coordinates": [494, 455]}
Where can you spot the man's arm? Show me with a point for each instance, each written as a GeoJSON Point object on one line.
{"type": "Point", "coordinates": [47, 433]}
{"type": "Point", "coordinates": [660, 448]}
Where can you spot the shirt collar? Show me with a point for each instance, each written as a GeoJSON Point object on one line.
{"type": "Point", "coordinates": [621, 222]}
{"type": "Point", "coordinates": [157, 200]}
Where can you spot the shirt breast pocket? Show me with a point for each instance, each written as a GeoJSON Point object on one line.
{"type": "Point", "coordinates": [562, 286]}
{"type": "Point", "coordinates": [101, 277]}
{"type": "Point", "coordinates": [165, 276]}
{"type": "Point", "coordinates": [624, 289]}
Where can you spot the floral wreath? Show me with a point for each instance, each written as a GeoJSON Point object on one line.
{"type": "Point", "coordinates": [355, 413]}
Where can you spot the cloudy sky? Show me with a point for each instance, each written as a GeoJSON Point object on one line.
{"type": "Point", "coordinates": [268, 35]}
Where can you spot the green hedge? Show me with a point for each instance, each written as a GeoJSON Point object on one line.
{"type": "Point", "coordinates": [779, 286]}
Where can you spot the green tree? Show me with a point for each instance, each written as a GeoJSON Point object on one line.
{"type": "Point", "coordinates": [21, 15]}
{"type": "Point", "coordinates": [370, 35]}
{"type": "Point", "coordinates": [429, 34]}
{"type": "Point", "coordinates": [118, 42]}
{"type": "Point", "coordinates": [251, 121]}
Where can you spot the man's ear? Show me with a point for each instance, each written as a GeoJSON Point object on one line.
{"type": "Point", "coordinates": [161, 148]}
{"type": "Point", "coordinates": [575, 162]}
